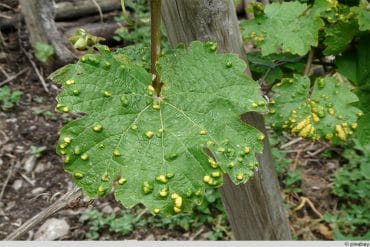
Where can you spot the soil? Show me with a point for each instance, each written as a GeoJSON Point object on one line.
{"type": "Point", "coordinates": [30, 183]}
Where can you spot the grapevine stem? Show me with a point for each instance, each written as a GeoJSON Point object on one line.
{"type": "Point", "coordinates": [155, 48]}
{"type": "Point", "coordinates": [309, 62]}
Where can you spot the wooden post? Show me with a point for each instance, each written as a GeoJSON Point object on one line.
{"type": "Point", "coordinates": [255, 209]}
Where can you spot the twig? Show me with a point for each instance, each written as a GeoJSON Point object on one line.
{"type": "Point", "coordinates": [318, 151]}
{"type": "Point", "coordinates": [5, 16]}
{"type": "Point", "coordinates": [69, 197]}
{"type": "Point", "coordinates": [28, 180]}
{"type": "Point", "coordinates": [99, 9]}
{"type": "Point", "coordinates": [196, 234]}
{"type": "Point", "coordinates": [13, 77]}
{"type": "Point", "coordinates": [3, 40]}
{"type": "Point", "coordinates": [1, 68]}
{"type": "Point", "coordinates": [41, 78]}
{"type": "Point", "coordinates": [309, 202]}
{"type": "Point", "coordinates": [7, 180]}
{"type": "Point", "coordinates": [308, 63]}
{"type": "Point", "coordinates": [291, 142]}
{"type": "Point", "coordinates": [6, 6]}
{"type": "Point", "coordinates": [141, 214]}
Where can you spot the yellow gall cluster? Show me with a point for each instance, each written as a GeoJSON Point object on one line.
{"type": "Point", "coordinates": [156, 210]}
{"type": "Point", "coordinates": [162, 178]}
{"type": "Point", "coordinates": [163, 192]}
{"type": "Point", "coordinates": [149, 134]}
{"type": "Point", "coordinates": [215, 174]}
{"type": "Point", "coordinates": [78, 175]}
{"type": "Point", "coordinates": [300, 125]}
{"type": "Point", "coordinates": [341, 134]}
{"type": "Point", "coordinates": [122, 181]}
{"type": "Point", "coordinates": [177, 200]}
{"type": "Point", "coordinates": [259, 39]}
{"type": "Point", "coordinates": [207, 179]}
{"type": "Point", "coordinates": [101, 190]}
{"type": "Point", "coordinates": [240, 176]}
{"type": "Point", "coordinates": [70, 82]}
{"type": "Point", "coordinates": [315, 118]}
{"type": "Point", "coordinates": [65, 109]}
{"type": "Point", "coordinates": [151, 90]}
{"type": "Point", "coordinates": [116, 152]}
{"type": "Point", "coordinates": [97, 128]}
{"type": "Point", "coordinates": [84, 156]}
{"type": "Point", "coordinates": [306, 131]}
{"type": "Point", "coordinates": [156, 106]}
{"type": "Point", "coordinates": [304, 128]}
{"type": "Point", "coordinates": [331, 111]}
{"type": "Point", "coordinates": [147, 188]}
{"type": "Point", "coordinates": [213, 163]}
{"type": "Point", "coordinates": [107, 94]}
{"type": "Point", "coordinates": [67, 139]}
{"type": "Point", "coordinates": [203, 132]}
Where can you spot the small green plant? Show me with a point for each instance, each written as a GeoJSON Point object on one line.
{"type": "Point", "coordinates": [37, 151]}
{"type": "Point", "coordinates": [43, 111]}
{"type": "Point", "coordinates": [8, 98]}
{"type": "Point", "coordinates": [209, 213]}
{"type": "Point", "coordinates": [352, 186]}
{"type": "Point", "coordinates": [43, 51]}
{"type": "Point", "coordinates": [38, 99]}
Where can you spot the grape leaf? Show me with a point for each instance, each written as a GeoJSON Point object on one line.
{"type": "Point", "coordinates": [152, 149]}
{"type": "Point", "coordinates": [363, 15]}
{"type": "Point", "coordinates": [339, 35]}
{"type": "Point", "coordinates": [323, 111]}
{"type": "Point", "coordinates": [137, 53]}
{"type": "Point", "coordinates": [355, 64]}
{"type": "Point", "coordinates": [284, 27]}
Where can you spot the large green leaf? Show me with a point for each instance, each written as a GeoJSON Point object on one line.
{"type": "Point", "coordinates": [284, 27]}
{"type": "Point", "coordinates": [152, 149]}
{"type": "Point", "coordinates": [323, 111]}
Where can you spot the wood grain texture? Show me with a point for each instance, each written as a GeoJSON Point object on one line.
{"type": "Point", "coordinates": [39, 16]}
{"type": "Point", "coordinates": [255, 209]}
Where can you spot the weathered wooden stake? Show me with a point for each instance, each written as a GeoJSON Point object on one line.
{"type": "Point", "coordinates": [255, 210]}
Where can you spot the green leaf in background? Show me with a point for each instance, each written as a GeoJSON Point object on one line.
{"type": "Point", "coordinates": [274, 66]}
{"type": "Point", "coordinates": [284, 27]}
{"type": "Point", "coordinates": [43, 51]}
{"type": "Point", "coordinates": [152, 149]}
{"type": "Point", "coordinates": [323, 111]}
{"type": "Point", "coordinates": [355, 65]}
{"type": "Point", "coordinates": [339, 35]}
{"type": "Point", "coordinates": [9, 98]}
{"type": "Point", "coordinates": [363, 15]}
